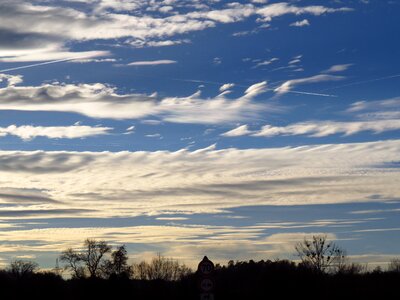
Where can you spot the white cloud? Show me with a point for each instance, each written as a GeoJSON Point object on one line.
{"type": "Point", "coordinates": [151, 122]}
{"type": "Point", "coordinates": [287, 86]}
{"type": "Point", "coordinates": [325, 128]}
{"type": "Point", "coordinates": [302, 23]}
{"type": "Point", "coordinates": [152, 62]}
{"type": "Point", "coordinates": [101, 101]}
{"type": "Point", "coordinates": [11, 79]}
{"type": "Point", "coordinates": [28, 132]}
{"type": "Point", "coordinates": [226, 87]}
{"type": "Point", "coordinates": [294, 61]}
{"type": "Point", "coordinates": [138, 43]}
{"type": "Point", "coordinates": [386, 104]}
{"type": "Point", "coordinates": [48, 55]}
{"type": "Point", "coordinates": [256, 89]}
{"type": "Point", "coordinates": [154, 135]}
{"type": "Point", "coordinates": [387, 109]}
{"type": "Point", "coordinates": [34, 31]}
{"type": "Point", "coordinates": [212, 179]}
{"type": "Point", "coordinates": [266, 62]}
{"type": "Point", "coordinates": [338, 68]}
{"type": "Point", "coordinates": [279, 9]}
{"type": "Point", "coordinates": [239, 131]}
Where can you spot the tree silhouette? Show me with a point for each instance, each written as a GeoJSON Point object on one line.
{"type": "Point", "coordinates": [73, 262]}
{"type": "Point", "coordinates": [160, 268]}
{"type": "Point", "coordinates": [22, 268]}
{"type": "Point", "coordinates": [117, 266]}
{"type": "Point", "coordinates": [93, 256]}
{"type": "Point", "coordinates": [88, 261]}
{"type": "Point", "coordinates": [394, 265]}
{"type": "Point", "coordinates": [319, 254]}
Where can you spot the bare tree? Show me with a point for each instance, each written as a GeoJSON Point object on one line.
{"type": "Point", "coordinates": [93, 256]}
{"type": "Point", "coordinates": [394, 265]}
{"type": "Point", "coordinates": [140, 270]}
{"type": "Point", "coordinates": [22, 268]}
{"type": "Point", "coordinates": [89, 261]}
{"type": "Point", "coordinates": [319, 254]}
{"type": "Point", "coordinates": [160, 268]}
{"type": "Point", "coordinates": [73, 260]}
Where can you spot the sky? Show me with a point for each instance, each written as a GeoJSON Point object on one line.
{"type": "Point", "coordinates": [199, 127]}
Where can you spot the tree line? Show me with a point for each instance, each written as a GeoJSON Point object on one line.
{"type": "Point", "coordinates": [99, 269]}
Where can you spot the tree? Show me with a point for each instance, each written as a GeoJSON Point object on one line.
{"type": "Point", "coordinates": [160, 268]}
{"type": "Point", "coordinates": [73, 260]}
{"type": "Point", "coordinates": [319, 254]}
{"type": "Point", "coordinates": [351, 269]}
{"type": "Point", "coordinates": [23, 268]}
{"type": "Point", "coordinates": [394, 265]}
{"type": "Point", "coordinates": [118, 265]}
{"type": "Point", "coordinates": [89, 261]}
{"type": "Point", "coordinates": [93, 256]}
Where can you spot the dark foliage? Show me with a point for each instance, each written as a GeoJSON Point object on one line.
{"type": "Point", "coordinates": [240, 280]}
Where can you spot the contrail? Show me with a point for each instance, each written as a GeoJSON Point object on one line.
{"type": "Point", "coordinates": [45, 63]}
{"type": "Point", "coordinates": [362, 82]}
{"type": "Point", "coordinates": [309, 93]}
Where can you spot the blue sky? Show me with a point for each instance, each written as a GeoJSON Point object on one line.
{"type": "Point", "coordinates": [231, 129]}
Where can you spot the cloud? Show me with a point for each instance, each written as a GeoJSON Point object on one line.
{"type": "Point", "coordinates": [226, 87]}
{"type": "Point", "coordinates": [18, 196]}
{"type": "Point", "coordinates": [101, 101]}
{"type": "Point", "coordinates": [256, 89]}
{"type": "Point", "coordinates": [212, 179]}
{"type": "Point", "coordinates": [33, 31]}
{"type": "Point", "coordinates": [138, 43]}
{"type": "Point", "coordinates": [386, 109]}
{"type": "Point", "coordinates": [381, 105]}
{"type": "Point", "coordinates": [22, 213]}
{"type": "Point", "coordinates": [287, 86]}
{"type": "Point", "coordinates": [27, 132]}
{"type": "Point", "coordinates": [302, 23]}
{"type": "Point", "coordinates": [39, 162]}
{"type": "Point", "coordinates": [239, 131]}
{"type": "Point", "coordinates": [151, 122]}
{"type": "Point", "coordinates": [152, 62]}
{"type": "Point", "coordinates": [48, 55]}
{"type": "Point", "coordinates": [10, 80]}
{"type": "Point", "coordinates": [154, 135]}
{"type": "Point", "coordinates": [325, 128]}
{"type": "Point", "coordinates": [338, 68]}
{"type": "Point", "coordinates": [271, 11]}
{"type": "Point", "coordinates": [130, 130]}
{"type": "Point", "coordinates": [266, 62]}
